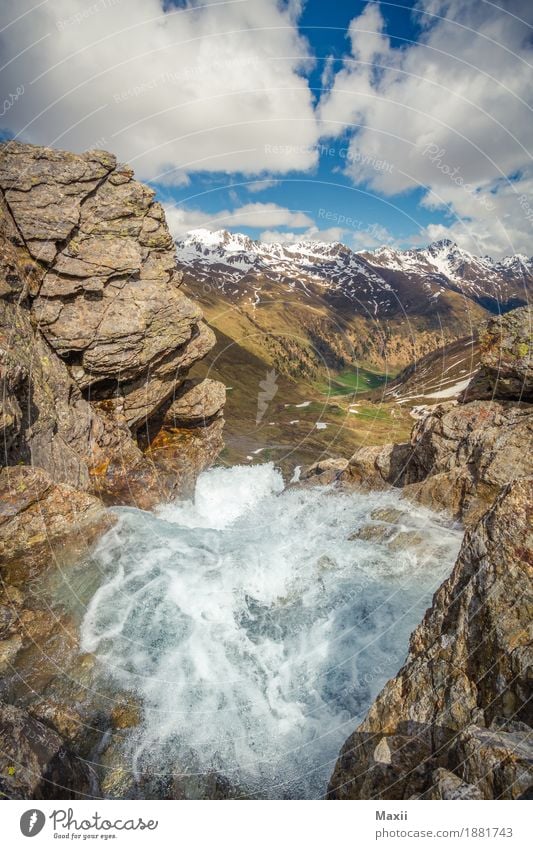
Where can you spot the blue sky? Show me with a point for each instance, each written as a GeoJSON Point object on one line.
{"type": "Point", "coordinates": [324, 190]}
{"type": "Point", "coordinates": [367, 122]}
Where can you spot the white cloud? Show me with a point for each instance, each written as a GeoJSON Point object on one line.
{"type": "Point", "coordinates": [331, 234]}
{"type": "Point", "coordinates": [208, 86]}
{"type": "Point", "coordinates": [181, 220]}
{"type": "Point", "coordinates": [261, 185]}
{"type": "Point", "coordinates": [372, 236]}
{"type": "Point", "coordinates": [496, 220]}
{"type": "Point", "coordinates": [448, 114]}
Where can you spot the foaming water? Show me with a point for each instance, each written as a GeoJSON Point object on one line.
{"type": "Point", "coordinates": [256, 626]}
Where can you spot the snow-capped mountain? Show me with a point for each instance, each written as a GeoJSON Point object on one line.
{"type": "Point", "coordinates": [384, 281]}
{"type": "Point", "coordinates": [238, 265]}
{"type": "Point", "coordinates": [500, 284]}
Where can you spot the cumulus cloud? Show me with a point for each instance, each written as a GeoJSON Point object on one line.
{"type": "Point", "coordinates": [360, 236]}
{"type": "Point", "coordinates": [449, 114]}
{"type": "Point", "coordinates": [171, 88]}
{"type": "Point", "coordinates": [330, 234]}
{"type": "Point", "coordinates": [181, 220]}
{"type": "Point", "coordinates": [261, 185]}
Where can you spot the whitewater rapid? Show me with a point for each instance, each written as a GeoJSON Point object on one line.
{"type": "Point", "coordinates": [255, 627]}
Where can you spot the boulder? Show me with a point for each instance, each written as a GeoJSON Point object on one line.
{"type": "Point", "coordinates": [505, 370]}
{"type": "Point", "coordinates": [195, 402]}
{"type": "Point", "coordinates": [461, 455]}
{"type": "Point", "coordinates": [323, 472]}
{"type": "Point", "coordinates": [378, 466]}
{"type": "Point", "coordinates": [96, 337]}
{"type": "Point", "coordinates": [109, 299]}
{"type": "Point", "coordinates": [446, 785]}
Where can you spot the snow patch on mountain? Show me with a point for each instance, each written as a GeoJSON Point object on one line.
{"type": "Point", "coordinates": [236, 265]}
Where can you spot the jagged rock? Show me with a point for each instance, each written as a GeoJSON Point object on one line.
{"type": "Point", "coordinates": [164, 379]}
{"type": "Point", "coordinates": [180, 454]}
{"type": "Point", "coordinates": [378, 466]}
{"type": "Point", "coordinates": [499, 763]}
{"type": "Point", "coordinates": [458, 458]}
{"type": "Point", "coordinates": [505, 359]}
{"type": "Point", "coordinates": [196, 401]}
{"type": "Point", "coordinates": [469, 663]}
{"type": "Point", "coordinates": [43, 527]}
{"type": "Point", "coordinates": [44, 523]}
{"type": "Point", "coordinates": [446, 785]}
{"type": "Point", "coordinates": [109, 300]}
{"type": "Point", "coordinates": [462, 455]}
{"type": "Point", "coordinates": [95, 334]}
{"type": "Point", "coordinates": [48, 422]}
{"type": "Point", "coordinates": [323, 472]}
{"type": "Point", "coordinates": [35, 763]}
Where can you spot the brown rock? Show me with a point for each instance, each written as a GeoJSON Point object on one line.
{"type": "Point", "coordinates": [126, 713]}
{"type": "Point", "coordinates": [109, 301]}
{"type": "Point", "coordinates": [95, 334]}
{"type": "Point", "coordinates": [462, 455]}
{"type": "Point", "coordinates": [44, 523]}
{"type": "Point", "coordinates": [446, 785]}
{"type": "Point", "coordinates": [378, 467]}
{"type": "Point", "coordinates": [323, 472]}
{"type": "Point", "coordinates": [43, 527]}
{"type": "Point", "coordinates": [195, 401]}
{"type": "Point", "coordinates": [505, 359]}
{"type": "Point", "coordinates": [180, 454]}
{"type": "Point", "coordinates": [498, 763]}
{"type": "Point", "coordinates": [35, 763]}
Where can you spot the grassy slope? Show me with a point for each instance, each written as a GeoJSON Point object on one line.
{"type": "Point", "coordinates": [287, 433]}
{"type": "Point", "coordinates": [298, 342]}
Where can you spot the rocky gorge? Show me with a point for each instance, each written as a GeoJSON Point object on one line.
{"type": "Point", "coordinates": [456, 721]}
{"type": "Point", "coordinates": [98, 410]}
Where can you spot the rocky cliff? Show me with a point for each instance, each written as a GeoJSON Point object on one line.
{"type": "Point", "coordinates": [96, 337]}
{"type": "Point", "coordinates": [456, 722]}
{"type": "Point", "coordinates": [96, 340]}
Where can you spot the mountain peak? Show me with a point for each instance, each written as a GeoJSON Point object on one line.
{"type": "Point", "coordinates": [242, 266]}
{"type": "Point", "coordinates": [213, 239]}
{"type": "Point", "coordinates": [442, 243]}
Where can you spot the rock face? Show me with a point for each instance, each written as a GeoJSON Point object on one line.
{"type": "Point", "coordinates": [43, 522]}
{"type": "Point", "coordinates": [45, 528]}
{"type": "Point", "coordinates": [461, 700]}
{"type": "Point", "coordinates": [196, 401]}
{"type": "Point", "coordinates": [96, 338]}
{"type": "Point", "coordinates": [458, 458]}
{"type": "Point", "coordinates": [462, 455]}
{"type": "Point", "coordinates": [34, 762]}
{"type": "Point", "coordinates": [505, 362]}
{"type": "Point", "coordinates": [456, 722]}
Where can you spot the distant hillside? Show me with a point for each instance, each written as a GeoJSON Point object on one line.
{"type": "Point", "coordinates": [364, 338]}
{"type": "Point", "coordinates": [312, 308]}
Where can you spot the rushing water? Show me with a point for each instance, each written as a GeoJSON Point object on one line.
{"type": "Point", "coordinates": [256, 627]}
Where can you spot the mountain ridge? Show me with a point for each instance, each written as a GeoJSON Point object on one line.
{"type": "Point", "coordinates": [233, 261]}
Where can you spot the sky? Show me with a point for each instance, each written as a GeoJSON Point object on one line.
{"type": "Point", "coordinates": [370, 123]}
